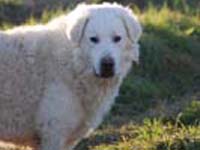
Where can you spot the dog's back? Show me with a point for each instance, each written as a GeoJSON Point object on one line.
{"type": "Point", "coordinates": [21, 84]}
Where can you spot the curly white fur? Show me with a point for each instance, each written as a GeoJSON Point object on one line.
{"type": "Point", "coordinates": [48, 90]}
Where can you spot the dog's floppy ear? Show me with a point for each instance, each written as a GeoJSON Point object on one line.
{"type": "Point", "coordinates": [131, 24]}
{"type": "Point", "coordinates": [135, 53]}
{"type": "Point", "coordinates": [76, 24]}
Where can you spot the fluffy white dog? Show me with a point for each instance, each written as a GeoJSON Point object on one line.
{"type": "Point", "coordinates": [58, 80]}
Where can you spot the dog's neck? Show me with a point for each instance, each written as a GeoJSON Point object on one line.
{"type": "Point", "coordinates": [101, 98]}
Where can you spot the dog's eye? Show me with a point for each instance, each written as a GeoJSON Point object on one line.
{"type": "Point", "coordinates": [94, 39]}
{"type": "Point", "coordinates": [117, 38]}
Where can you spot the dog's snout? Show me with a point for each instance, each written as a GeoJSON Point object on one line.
{"type": "Point", "coordinates": [107, 62]}
{"type": "Point", "coordinates": [107, 67]}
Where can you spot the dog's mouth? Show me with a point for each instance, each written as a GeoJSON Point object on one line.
{"type": "Point", "coordinates": [105, 73]}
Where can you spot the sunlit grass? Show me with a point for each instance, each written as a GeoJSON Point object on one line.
{"type": "Point", "coordinates": [151, 135]}
{"type": "Point", "coordinates": [11, 146]}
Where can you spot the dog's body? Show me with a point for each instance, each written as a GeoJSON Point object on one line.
{"type": "Point", "coordinates": [48, 86]}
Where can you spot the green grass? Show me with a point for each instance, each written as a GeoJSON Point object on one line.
{"type": "Point", "coordinates": [159, 103]}
{"type": "Point", "coordinates": [151, 135]}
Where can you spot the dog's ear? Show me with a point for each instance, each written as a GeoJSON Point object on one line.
{"type": "Point", "coordinates": [76, 24]}
{"type": "Point", "coordinates": [135, 53]}
{"type": "Point", "coordinates": [131, 24]}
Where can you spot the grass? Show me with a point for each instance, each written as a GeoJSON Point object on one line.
{"type": "Point", "coordinates": [151, 135]}
{"type": "Point", "coordinates": [159, 103]}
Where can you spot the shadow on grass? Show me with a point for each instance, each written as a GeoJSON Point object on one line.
{"type": "Point", "coordinates": [168, 71]}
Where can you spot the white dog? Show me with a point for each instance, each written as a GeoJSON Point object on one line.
{"type": "Point", "coordinates": [58, 80]}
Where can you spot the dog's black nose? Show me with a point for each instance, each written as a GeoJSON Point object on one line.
{"type": "Point", "coordinates": [107, 67]}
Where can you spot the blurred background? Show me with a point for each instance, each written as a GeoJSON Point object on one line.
{"type": "Point", "coordinates": [17, 11]}
{"type": "Point", "coordinates": [159, 103]}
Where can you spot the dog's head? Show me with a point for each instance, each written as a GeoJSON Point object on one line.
{"type": "Point", "coordinates": [108, 35]}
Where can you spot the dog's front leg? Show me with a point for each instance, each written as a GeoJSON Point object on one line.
{"type": "Point", "coordinates": [59, 116]}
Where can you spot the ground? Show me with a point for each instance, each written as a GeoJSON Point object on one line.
{"type": "Point", "coordinates": [159, 103]}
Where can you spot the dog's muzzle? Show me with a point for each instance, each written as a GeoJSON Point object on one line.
{"type": "Point", "coordinates": [107, 67]}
